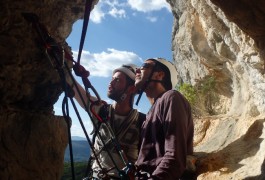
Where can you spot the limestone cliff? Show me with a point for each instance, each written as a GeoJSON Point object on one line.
{"type": "Point", "coordinates": [225, 40]}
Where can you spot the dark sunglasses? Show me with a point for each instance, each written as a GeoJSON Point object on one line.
{"type": "Point", "coordinates": [146, 65]}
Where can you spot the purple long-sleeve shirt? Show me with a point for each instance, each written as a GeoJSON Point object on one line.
{"type": "Point", "coordinates": [167, 137]}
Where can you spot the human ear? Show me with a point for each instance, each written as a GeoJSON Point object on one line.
{"type": "Point", "coordinates": [159, 75]}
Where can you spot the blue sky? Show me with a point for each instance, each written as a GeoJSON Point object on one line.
{"type": "Point", "coordinates": [119, 32]}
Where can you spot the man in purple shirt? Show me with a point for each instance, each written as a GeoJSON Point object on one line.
{"type": "Point", "coordinates": [167, 132]}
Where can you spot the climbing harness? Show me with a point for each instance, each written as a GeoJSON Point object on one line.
{"type": "Point", "coordinates": [57, 55]}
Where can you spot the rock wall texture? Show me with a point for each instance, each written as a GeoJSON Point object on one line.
{"type": "Point", "coordinates": [32, 138]}
{"type": "Point", "coordinates": [225, 40]}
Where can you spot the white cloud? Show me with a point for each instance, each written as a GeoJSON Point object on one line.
{"type": "Point", "coordinates": [117, 13]}
{"type": "Point", "coordinates": [113, 8]}
{"type": "Point", "coordinates": [57, 109]}
{"type": "Point", "coordinates": [148, 5]}
{"type": "Point", "coordinates": [97, 14]}
{"type": "Point", "coordinates": [76, 129]}
{"type": "Point", "coordinates": [152, 19]}
{"type": "Point", "coordinates": [115, 3]}
{"type": "Point", "coordinates": [134, 14]}
{"type": "Point", "coordinates": [117, 8]}
{"type": "Point", "coordinates": [102, 64]}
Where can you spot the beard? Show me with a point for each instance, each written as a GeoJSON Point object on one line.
{"type": "Point", "coordinates": [114, 95]}
{"type": "Point", "coordinates": [140, 84]}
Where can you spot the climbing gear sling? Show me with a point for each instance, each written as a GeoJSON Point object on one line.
{"type": "Point", "coordinates": [57, 55]}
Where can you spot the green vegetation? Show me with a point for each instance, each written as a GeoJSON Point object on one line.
{"type": "Point", "coordinates": [81, 154]}
{"type": "Point", "coordinates": [189, 92]}
{"type": "Point", "coordinates": [79, 169]}
{"type": "Point", "coordinates": [202, 96]}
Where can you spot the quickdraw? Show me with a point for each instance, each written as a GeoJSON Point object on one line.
{"type": "Point", "coordinates": [57, 55]}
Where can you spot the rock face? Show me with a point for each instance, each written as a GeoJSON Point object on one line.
{"type": "Point", "coordinates": [225, 40]}
{"type": "Point", "coordinates": [32, 138]}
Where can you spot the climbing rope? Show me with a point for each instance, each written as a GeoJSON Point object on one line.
{"type": "Point", "coordinates": [88, 7]}
{"type": "Point", "coordinates": [57, 55]}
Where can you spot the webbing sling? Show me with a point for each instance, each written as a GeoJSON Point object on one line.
{"type": "Point", "coordinates": [53, 51]}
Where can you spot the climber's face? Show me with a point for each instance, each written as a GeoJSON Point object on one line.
{"type": "Point", "coordinates": [117, 86]}
{"type": "Point", "coordinates": [143, 74]}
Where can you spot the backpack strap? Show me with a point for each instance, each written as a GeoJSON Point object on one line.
{"type": "Point", "coordinates": [141, 119]}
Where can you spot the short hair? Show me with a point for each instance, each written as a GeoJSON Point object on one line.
{"type": "Point", "coordinates": [166, 81]}
{"type": "Point", "coordinates": [129, 81]}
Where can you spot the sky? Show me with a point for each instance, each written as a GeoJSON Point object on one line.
{"type": "Point", "coordinates": [119, 32]}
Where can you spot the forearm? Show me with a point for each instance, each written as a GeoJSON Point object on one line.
{"type": "Point", "coordinates": [169, 168]}
{"type": "Point", "coordinates": [80, 94]}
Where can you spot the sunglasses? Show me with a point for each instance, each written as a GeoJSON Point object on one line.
{"type": "Point", "coordinates": [146, 65]}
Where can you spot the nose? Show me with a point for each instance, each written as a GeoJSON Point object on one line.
{"type": "Point", "coordinates": [138, 70]}
{"type": "Point", "coordinates": [111, 82]}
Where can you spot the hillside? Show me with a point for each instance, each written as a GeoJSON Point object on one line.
{"type": "Point", "coordinates": [81, 151]}
{"type": "Point", "coordinates": [80, 171]}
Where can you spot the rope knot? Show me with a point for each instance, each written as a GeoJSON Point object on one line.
{"type": "Point", "coordinates": [80, 71]}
